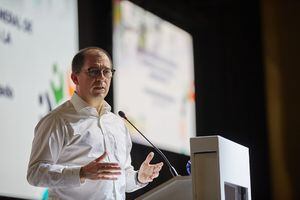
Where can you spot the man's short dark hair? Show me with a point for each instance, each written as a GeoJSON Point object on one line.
{"type": "Point", "coordinates": [78, 59]}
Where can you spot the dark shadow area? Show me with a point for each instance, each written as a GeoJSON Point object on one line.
{"type": "Point", "coordinates": [229, 75]}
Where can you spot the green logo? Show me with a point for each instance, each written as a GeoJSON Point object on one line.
{"type": "Point", "coordinates": [57, 90]}
{"type": "Point", "coordinates": [60, 88]}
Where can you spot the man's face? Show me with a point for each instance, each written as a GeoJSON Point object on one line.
{"type": "Point", "coordinates": [92, 87]}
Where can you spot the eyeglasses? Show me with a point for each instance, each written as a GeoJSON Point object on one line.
{"type": "Point", "coordinates": [94, 72]}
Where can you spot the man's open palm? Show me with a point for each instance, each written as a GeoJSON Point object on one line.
{"type": "Point", "coordinates": [148, 171]}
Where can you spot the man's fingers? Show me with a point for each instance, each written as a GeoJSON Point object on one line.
{"type": "Point", "coordinates": [157, 169]}
{"type": "Point", "coordinates": [155, 175]}
{"type": "Point", "coordinates": [107, 173]}
{"type": "Point", "coordinates": [149, 158]}
{"type": "Point", "coordinates": [101, 157]}
{"type": "Point", "coordinates": [108, 164]}
{"type": "Point", "coordinates": [159, 165]}
{"type": "Point", "coordinates": [109, 167]}
{"type": "Point", "coordinates": [97, 169]}
{"type": "Point", "coordinates": [105, 177]}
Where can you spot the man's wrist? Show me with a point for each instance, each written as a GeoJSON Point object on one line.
{"type": "Point", "coordinates": [137, 179]}
{"type": "Point", "coordinates": [81, 175]}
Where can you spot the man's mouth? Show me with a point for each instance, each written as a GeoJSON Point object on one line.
{"type": "Point", "coordinates": [99, 88]}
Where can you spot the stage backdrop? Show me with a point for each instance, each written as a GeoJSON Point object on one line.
{"type": "Point", "coordinates": [154, 81]}
{"type": "Point", "coordinates": [37, 41]}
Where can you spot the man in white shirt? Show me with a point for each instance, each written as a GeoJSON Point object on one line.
{"type": "Point", "coordinates": [81, 150]}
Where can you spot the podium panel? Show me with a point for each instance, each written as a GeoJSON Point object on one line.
{"type": "Point", "coordinates": [220, 169]}
{"type": "Point", "coordinates": [207, 175]}
{"type": "Point", "coordinates": [179, 188]}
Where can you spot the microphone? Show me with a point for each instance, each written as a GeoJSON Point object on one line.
{"type": "Point", "coordinates": [171, 168]}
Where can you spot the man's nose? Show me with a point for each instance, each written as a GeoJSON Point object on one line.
{"type": "Point", "coordinates": [100, 76]}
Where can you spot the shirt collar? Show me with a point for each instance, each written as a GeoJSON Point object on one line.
{"type": "Point", "coordinates": [83, 107]}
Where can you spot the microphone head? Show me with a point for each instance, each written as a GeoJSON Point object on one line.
{"type": "Point", "coordinates": [122, 114]}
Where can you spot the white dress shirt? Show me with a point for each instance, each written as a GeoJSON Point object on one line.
{"type": "Point", "coordinates": [70, 137]}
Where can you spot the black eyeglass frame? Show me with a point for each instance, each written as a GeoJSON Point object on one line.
{"type": "Point", "coordinates": [99, 71]}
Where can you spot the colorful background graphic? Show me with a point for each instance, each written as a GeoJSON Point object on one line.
{"type": "Point", "coordinates": [154, 82]}
{"type": "Point", "coordinates": [37, 42]}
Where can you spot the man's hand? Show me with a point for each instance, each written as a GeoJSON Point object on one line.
{"type": "Point", "coordinates": [97, 170]}
{"type": "Point", "coordinates": [147, 171]}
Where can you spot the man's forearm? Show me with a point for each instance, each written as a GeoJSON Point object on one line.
{"type": "Point", "coordinates": [52, 175]}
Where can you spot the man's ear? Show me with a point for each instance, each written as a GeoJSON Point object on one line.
{"type": "Point", "coordinates": [74, 78]}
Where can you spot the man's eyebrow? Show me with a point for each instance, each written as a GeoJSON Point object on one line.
{"type": "Point", "coordinates": [102, 66]}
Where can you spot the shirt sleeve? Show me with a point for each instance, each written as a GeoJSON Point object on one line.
{"type": "Point", "coordinates": [46, 146]}
{"type": "Point", "coordinates": [132, 183]}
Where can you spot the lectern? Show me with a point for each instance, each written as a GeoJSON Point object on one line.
{"type": "Point", "coordinates": [220, 171]}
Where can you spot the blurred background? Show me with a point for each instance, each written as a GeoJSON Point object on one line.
{"type": "Point", "coordinates": [184, 69]}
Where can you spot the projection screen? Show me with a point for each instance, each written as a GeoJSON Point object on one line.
{"type": "Point", "coordinates": [154, 79]}
{"type": "Point", "coordinates": [37, 42]}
